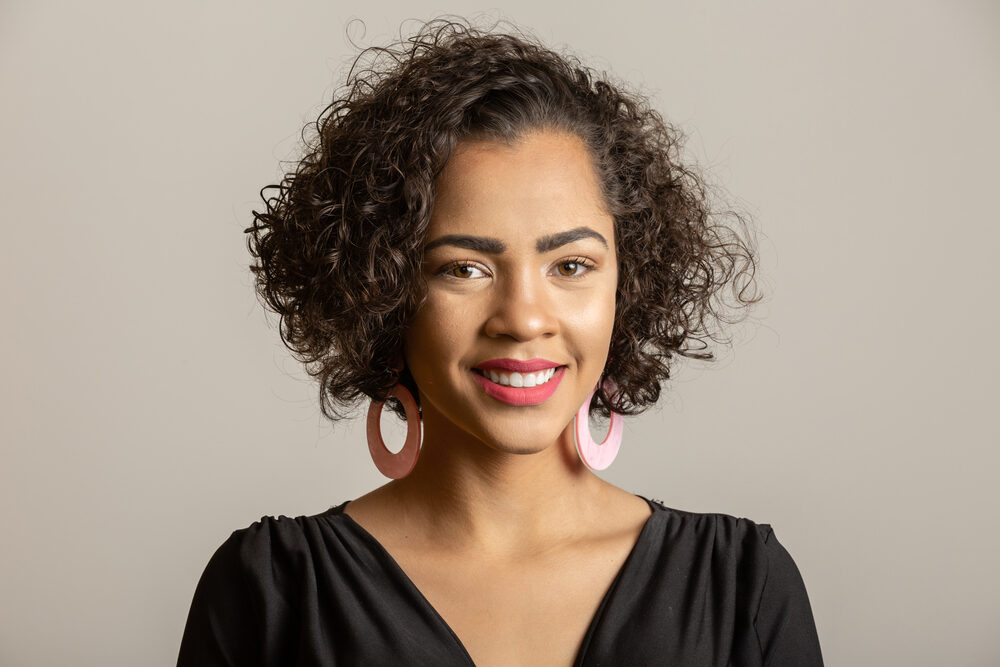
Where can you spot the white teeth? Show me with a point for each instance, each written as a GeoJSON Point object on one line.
{"type": "Point", "coordinates": [519, 379]}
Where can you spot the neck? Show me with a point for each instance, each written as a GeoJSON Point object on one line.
{"type": "Point", "coordinates": [468, 495]}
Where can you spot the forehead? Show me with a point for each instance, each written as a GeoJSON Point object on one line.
{"type": "Point", "coordinates": [543, 183]}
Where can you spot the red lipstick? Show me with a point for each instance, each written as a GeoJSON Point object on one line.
{"type": "Point", "coordinates": [519, 395]}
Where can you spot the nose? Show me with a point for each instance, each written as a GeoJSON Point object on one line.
{"type": "Point", "coordinates": [522, 309]}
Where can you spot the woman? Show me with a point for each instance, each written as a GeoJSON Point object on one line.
{"type": "Point", "coordinates": [499, 244]}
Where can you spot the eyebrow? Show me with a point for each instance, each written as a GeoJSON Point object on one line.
{"type": "Point", "coordinates": [553, 241]}
{"type": "Point", "coordinates": [494, 246]}
{"type": "Point", "coordinates": [480, 243]}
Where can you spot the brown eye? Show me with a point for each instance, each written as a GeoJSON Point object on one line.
{"type": "Point", "coordinates": [569, 268]}
{"type": "Point", "coordinates": [462, 271]}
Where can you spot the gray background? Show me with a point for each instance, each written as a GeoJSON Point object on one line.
{"type": "Point", "coordinates": [149, 407]}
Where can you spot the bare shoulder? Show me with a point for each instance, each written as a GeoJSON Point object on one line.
{"type": "Point", "coordinates": [620, 516]}
{"type": "Point", "coordinates": [377, 513]}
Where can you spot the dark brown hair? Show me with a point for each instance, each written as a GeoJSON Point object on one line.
{"type": "Point", "coordinates": [338, 246]}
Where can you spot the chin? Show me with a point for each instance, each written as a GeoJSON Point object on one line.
{"type": "Point", "coordinates": [523, 441]}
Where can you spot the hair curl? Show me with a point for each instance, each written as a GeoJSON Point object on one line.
{"type": "Point", "coordinates": [338, 246]}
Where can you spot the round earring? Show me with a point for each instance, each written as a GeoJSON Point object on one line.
{"type": "Point", "coordinates": [598, 456]}
{"type": "Point", "coordinates": [399, 465]}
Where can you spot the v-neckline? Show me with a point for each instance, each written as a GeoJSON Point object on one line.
{"type": "Point", "coordinates": [591, 627]}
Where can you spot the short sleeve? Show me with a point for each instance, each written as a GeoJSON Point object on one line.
{"type": "Point", "coordinates": [221, 628]}
{"type": "Point", "coordinates": [784, 621]}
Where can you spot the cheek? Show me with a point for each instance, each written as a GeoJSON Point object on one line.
{"type": "Point", "coordinates": [437, 335]}
{"type": "Point", "coordinates": [593, 318]}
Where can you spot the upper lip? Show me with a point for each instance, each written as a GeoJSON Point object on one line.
{"type": "Point", "coordinates": [518, 365]}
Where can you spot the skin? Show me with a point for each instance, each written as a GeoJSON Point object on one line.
{"type": "Point", "coordinates": [500, 525]}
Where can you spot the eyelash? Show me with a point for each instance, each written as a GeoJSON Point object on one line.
{"type": "Point", "coordinates": [451, 266]}
{"type": "Point", "coordinates": [587, 265]}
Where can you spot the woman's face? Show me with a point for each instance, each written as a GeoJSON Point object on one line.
{"type": "Point", "coordinates": [520, 266]}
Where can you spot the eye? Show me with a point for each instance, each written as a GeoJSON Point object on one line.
{"type": "Point", "coordinates": [573, 268]}
{"type": "Point", "coordinates": [462, 271]}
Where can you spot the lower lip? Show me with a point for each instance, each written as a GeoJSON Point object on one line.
{"type": "Point", "coordinates": [520, 395]}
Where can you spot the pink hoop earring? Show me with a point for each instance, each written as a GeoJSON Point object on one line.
{"type": "Point", "coordinates": [598, 456]}
{"type": "Point", "coordinates": [399, 465]}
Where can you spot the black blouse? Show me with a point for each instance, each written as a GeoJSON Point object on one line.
{"type": "Point", "coordinates": [696, 589]}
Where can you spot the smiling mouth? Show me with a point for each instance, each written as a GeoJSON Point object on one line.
{"type": "Point", "coordinates": [519, 388]}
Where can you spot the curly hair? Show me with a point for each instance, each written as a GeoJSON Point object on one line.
{"type": "Point", "coordinates": [338, 246]}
